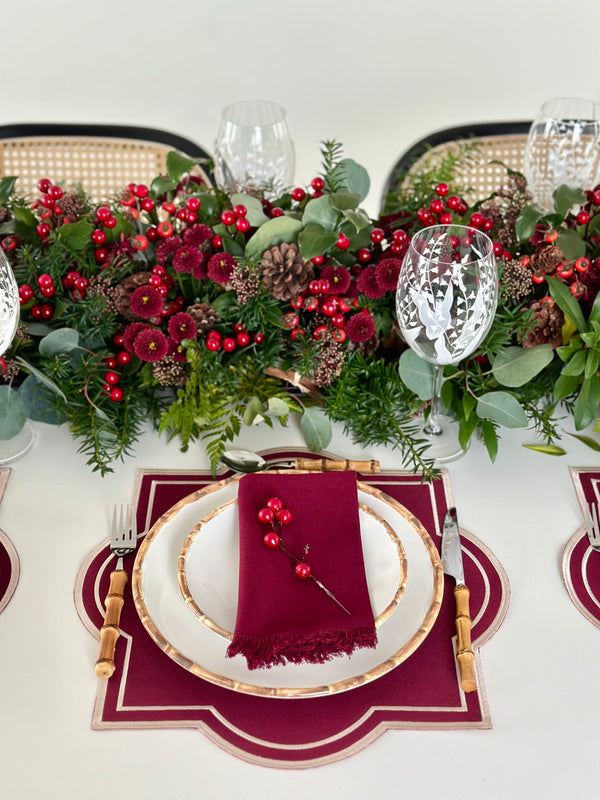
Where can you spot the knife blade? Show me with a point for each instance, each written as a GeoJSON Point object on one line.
{"type": "Point", "coordinates": [452, 564]}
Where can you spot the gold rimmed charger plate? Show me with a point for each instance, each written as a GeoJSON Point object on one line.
{"type": "Point", "coordinates": [210, 591]}
{"type": "Point", "coordinates": [166, 617]}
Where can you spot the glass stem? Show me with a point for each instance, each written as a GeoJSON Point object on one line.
{"type": "Point", "coordinates": [432, 426]}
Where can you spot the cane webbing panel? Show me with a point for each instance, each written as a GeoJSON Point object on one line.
{"type": "Point", "coordinates": [103, 166]}
{"type": "Point", "coordinates": [478, 175]}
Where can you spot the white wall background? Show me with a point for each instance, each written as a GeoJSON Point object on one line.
{"type": "Point", "coordinates": [373, 74]}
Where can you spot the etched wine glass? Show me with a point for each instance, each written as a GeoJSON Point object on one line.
{"type": "Point", "coordinates": [13, 443]}
{"type": "Point", "coordinates": [445, 304]}
{"type": "Point", "coordinates": [253, 148]}
{"type": "Point", "coordinates": [563, 148]}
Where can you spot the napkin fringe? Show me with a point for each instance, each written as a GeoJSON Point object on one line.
{"type": "Point", "coordinates": [269, 651]}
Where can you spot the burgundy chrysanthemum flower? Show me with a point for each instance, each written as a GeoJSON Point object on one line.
{"type": "Point", "coordinates": [368, 285]}
{"type": "Point", "coordinates": [150, 345]}
{"type": "Point", "coordinates": [166, 247]}
{"type": "Point", "coordinates": [187, 259]}
{"type": "Point", "coordinates": [129, 334]}
{"type": "Point", "coordinates": [386, 273]}
{"type": "Point", "coordinates": [146, 302]}
{"type": "Point", "coordinates": [182, 326]}
{"type": "Point", "coordinates": [220, 267]}
{"type": "Point", "coordinates": [197, 234]}
{"type": "Point", "coordinates": [338, 278]}
{"type": "Point", "coordinates": [360, 327]}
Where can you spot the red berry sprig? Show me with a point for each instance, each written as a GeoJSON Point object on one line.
{"type": "Point", "coordinates": [275, 514]}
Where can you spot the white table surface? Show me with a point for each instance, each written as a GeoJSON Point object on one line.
{"type": "Point", "coordinates": [541, 668]}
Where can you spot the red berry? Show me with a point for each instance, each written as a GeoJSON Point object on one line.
{"type": "Point", "coordinates": [140, 190]}
{"type": "Point", "coordinates": [377, 235]}
{"type": "Point", "coordinates": [165, 229]}
{"type": "Point", "coordinates": [47, 311]}
{"type": "Point", "coordinates": [339, 320]}
{"type": "Point", "coordinates": [240, 211]}
{"type": "Point", "coordinates": [44, 185]}
{"type": "Point", "coordinates": [318, 260]}
{"type": "Point", "coordinates": [9, 242]}
{"type": "Point", "coordinates": [147, 204]}
{"type": "Point", "coordinates": [453, 202]}
{"type": "Point", "coordinates": [283, 516]}
{"type": "Point", "coordinates": [277, 212]}
{"type": "Point", "coordinates": [192, 203]}
{"type": "Point", "coordinates": [302, 570]}
{"type": "Point", "coordinates": [242, 339]}
{"type": "Point", "coordinates": [446, 218]}
{"type": "Point", "coordinates": [116, 394]}
{"type": "Point", "coordinates": [25, 292]}
{"type": "Point", "coordinates": [266, 515]}
{"type": "Point", "coordinates": [139, 242]}
{"type": "Point", "coordinates": [110, 222]}
{"type": "Point", "coordinates": [582, 218]}
{"type": "Point", "coordinates": [242, 225]}
{"type": "Point", "coordinates": [258, 337]}
{"type": "Point", "coordinates": [227, 217]}
{"type": "Point", "coordinates": [476, 220]}
{"type": "Point", "coordinates": [582, 264]}
{"type": "Point", "coordinates": [297, 302]}
{"type": "Point", "coordinates": [43, 229]}
{"type": "Point", "coordinates": [56, 192]}
{"type": "Point", "coordinates": [271, 539]}
{"type": "Point", "coordinates": [98, 237]}
{"type": "Point", "coordinates": [111, 362]}
{"type": "Point", "coordinates": [442, 189]}
{"type": "Point", "coordinates": [212, 343]}
{"type": "Point", "coordinates": [100, 255]}
{"type": "Point", "coordinates": [318, 184]}
{"type": "Point", "coordinates": [298, 194]}
{"type": "Point", "coordinates": [170, 208]}
{"type": "Point", "coordinates": [437, 206]}
{"type": "Point", "coordinates": [123, 357]}
{"type": "Point", "coordinates": [103, 213]}
{"type": "Point", "coordinates": [339, 335]}
{"type": "Point", "coordinates": [319, 331]}
{"type": "Point", "coordinates": [45, 280]}
{"type": "Point", "coordinates": [111, 377]}
{"type": "Point", "coordinates": [343, 242]}
{"type": "Point", "coordinates": [217, 242]}
{"type": "Point", "coordinates": [182, 214]}
{"type": "Point", "coordinates": [274, 503]}
{"type": "Point", "coordinates": [498, 249]}
{"type": "Point", "coordinates": [229, 344]}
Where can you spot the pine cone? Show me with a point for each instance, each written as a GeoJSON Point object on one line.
{"type": "Point", "coordinates": [123, 290]}
{"type": "Point", "coordinates": [285, 272]}
{"type": "Point", "coordinates": [4, 214]}
{"type": "Point", "coordinates": [548, 320]}
{"type": "Point", "coordinates": [546, 259]}
{"type": "Point", "coordinates": [205, 318]}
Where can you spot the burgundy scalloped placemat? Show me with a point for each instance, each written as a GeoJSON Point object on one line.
{"type": "Point", "coordinates": [581, 564]}
{"type": "Point", "coordinates": [9, 560]}
{"type": "Point", "coordinates": [149, 690]}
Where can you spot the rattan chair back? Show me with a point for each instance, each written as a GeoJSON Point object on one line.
{"type": "Point", "coordinates": [492, 148]}
{"type": "Point", "coordinates": [102, 159]}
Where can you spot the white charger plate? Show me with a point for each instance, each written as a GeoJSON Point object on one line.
{"type": "Point", "coordinates": [164, 613]}
{"type": "Point", "coordinates": [208, 567]}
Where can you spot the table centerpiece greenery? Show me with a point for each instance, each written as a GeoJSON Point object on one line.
{"type": "Point", "coordinates": [203, 312]}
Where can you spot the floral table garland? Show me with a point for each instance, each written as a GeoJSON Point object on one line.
{"type": "Point", "coordinates": [203, 311]}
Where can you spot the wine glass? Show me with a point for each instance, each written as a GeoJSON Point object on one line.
{"type": "Point", "coordinates": [13, 443]}
{"type": "Point", "coordinates": [253, 149]}
{"type": "Point", "coordinates": [445, 303]}
{"type": "Point", "coordinates": [563, 147]}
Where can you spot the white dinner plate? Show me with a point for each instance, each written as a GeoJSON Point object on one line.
{"type": "Point", "coordinates": [208, 567]}
{"type": "Point", "coordinates": [164, 613]}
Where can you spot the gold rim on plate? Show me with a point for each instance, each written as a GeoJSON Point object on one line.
{"type": "Point", "coordinates": [226, 634]}
{"type": "Point", "coordinates": [388, 662]}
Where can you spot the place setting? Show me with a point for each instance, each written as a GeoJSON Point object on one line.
{"type": "Point", "coordinates": [9, 559]}
{"type": "Point", "coordinates": [293, 641]}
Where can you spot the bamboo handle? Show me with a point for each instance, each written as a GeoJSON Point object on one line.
{"type": "Point", "coordinates": [464, 653]}
{"type": "Point", "coordinates": [336, 465]}
{"type": "Point", "coordinates": [109, 633]}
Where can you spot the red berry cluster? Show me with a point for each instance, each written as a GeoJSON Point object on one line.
{"type": "Point", "coordinates": [318, 299]}
{"type": "Point", "coordinates": [240, 338]}
{"type": "Point", "coordinates": [236, 218]}
{"type": "Point", "coordinates": [275, 514]}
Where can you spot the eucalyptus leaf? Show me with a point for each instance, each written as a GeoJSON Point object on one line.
{"type": "Point", "coordinates": [526, 222]}
{"type": "Point", "coordinates": [61, 340]}
{"type": "Point", "coordinates": [502, 408]}
{"type": "Point", "coordinates": [565, 197]}
{"type": "Point", "coordinates": [276, 407]}
{"type": "Point", "coordinates": [344, 201]}
{"type": "Point", "coordinates": [358, 218]}
{"type": "Point", "coordinates": [564, 386]}
{"type": "Point", "coordinates": [254, 210]}
{"type": "Point", "coordinates": [75, 236]}
{"type": "Point", "coordinates": [567, 303]}
{"type": "Point", "coordinates": [416, 374]}
{"type": "Point", "coordinates": [321, 211]}
{"type": "Point", "coordinates": [273, 232]}
{"type": "Point", "coordinates": [356, 178]}
{"type": "Point", "coordinates": [516, 366]}
{"type": "Point", "coordinates": [314, 240]}
{"type": "Point", "coordinates": [178, 165]}
{"type": "Point", "coordinates": [316, 428]}
{"type": "Point", "coordinates": [253, 412]}
{"type": "Point", "coordinates": [571, 244]}
{"type": "Point", "coordinates": [586, 404]}
{"type": "Point", "coordinates": [548, 449]}
{"type": "Point", "coordinates": [12, 413]}
{"type": "Point", "coordinates": [39, 402]}
{"type": "Point", "coordinates": [27, 367]}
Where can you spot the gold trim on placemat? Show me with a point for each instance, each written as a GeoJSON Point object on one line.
{"type": "Point", "coordinates": [226, 634]}
{"type": "Point", "coordinates": [347, 684]}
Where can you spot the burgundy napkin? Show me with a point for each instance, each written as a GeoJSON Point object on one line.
{"type": "Point", "coordinates": [281, 617]}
